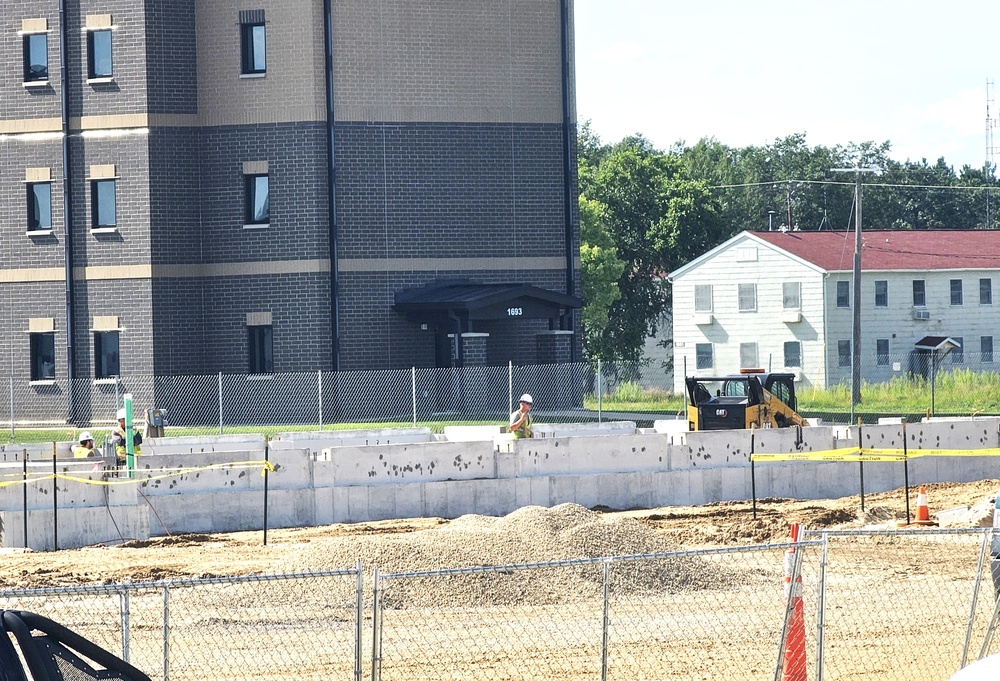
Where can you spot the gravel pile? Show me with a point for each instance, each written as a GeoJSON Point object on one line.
{"type": "Point", "coordinates": [529, 535]}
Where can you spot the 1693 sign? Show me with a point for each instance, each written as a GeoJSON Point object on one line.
{"type": "Point", "coordinates": [515, 311]}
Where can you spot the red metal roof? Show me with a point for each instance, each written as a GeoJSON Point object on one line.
{"type": "Point", "coordinates": [894, 250]}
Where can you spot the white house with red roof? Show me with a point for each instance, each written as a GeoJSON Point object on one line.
{"type": "Point", "coordinates": [783, 301]}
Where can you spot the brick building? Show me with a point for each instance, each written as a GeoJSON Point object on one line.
{"type": "Point", "coordinates": [283, 186]}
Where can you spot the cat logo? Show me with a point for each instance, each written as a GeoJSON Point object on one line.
{"type": "Point", "coordinates": [721, 413]}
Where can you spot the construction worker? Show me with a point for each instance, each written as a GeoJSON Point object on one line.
{"type": "Point", "coordinates": [520, 420]}
{"type": "Point", "coordinates": [86, 447]}
{"type": "Point", "coordinates": [118, 435]}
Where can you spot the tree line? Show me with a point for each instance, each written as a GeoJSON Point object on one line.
{"type": "Point", "coordinates": [645, 212]}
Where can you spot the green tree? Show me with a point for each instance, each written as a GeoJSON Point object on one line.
{"type": "Point", "coordinates": [600, 270]}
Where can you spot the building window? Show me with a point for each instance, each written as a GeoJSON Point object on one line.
{"type": "Point", "coordinates": [748, 297]}
{"type": "Point", "coordinates": [36, 58]}
{"type": "Point", "coordinates": [703, 298]}
{"type": "Point", "coordinates": [106, 358]}
{"type": "Point", "coordinates": [986, 291]}
{"type": "Point", "coordinates": [102, 204]}
{"type": "Point", "coordinates": [843, 353]}
{"type": "Point", "coordinates": [257, 208]}
{"type": "Point", "coordinates": [958, 354]}
{"type": "Point", "coordinates": [746, 254]}
{"type": "Point", "coordinates": [986, 348]}
{"type": "Point", "coordinates": [253, 43]}
{"type": "Point", "coordinates": [748, 355]}
{"type": "Point", "coordinates": [956, 291]}
{"type": "Point", "coordinates": [43, 356]}
{"type": "Point", "coordinates": [919, 294]}
{"type": "Point", "coordinates": [843, 294]}
{"type": "Point", "coordinates": [791, 295]}
{"type": "Point", "coordinates": [99, 54]}
{"type": "Point", "coordinates": [703, 355]}
{"type": "Point", "coordinates": [882, 293]}
{"type": "Point", "coordinates": [881, 352]}
{"type": "Point", "coordinates": [793, 354]}
{"type": "Point", "coordinates": [260, 355]}
{"type": "Point", "coordinates": [39, 206]}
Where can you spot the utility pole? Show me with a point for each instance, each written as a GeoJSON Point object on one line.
{"type": "Point", "coordinates": [856, 340]}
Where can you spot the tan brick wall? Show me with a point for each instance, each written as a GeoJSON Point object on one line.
{"type": "Point", "coordinates": [481, 61]}
{"type": "Point", "coordinates": [293, 88]}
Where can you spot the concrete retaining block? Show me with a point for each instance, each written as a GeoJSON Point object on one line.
{"type": "Point", "coordinates": [417, 462]}
{"type": "Point", "coordinates": [318, 440]}
{"type": "Point", "coordinates": [77, 527]}
{"type": "Point", "coordinates": [252, 444]}
{"type": "Point", "coordinates": [546, 430]}
{"type": "Point", "coordinates": [472, 433]}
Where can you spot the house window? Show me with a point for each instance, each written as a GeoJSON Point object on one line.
{"type": "Point", "coordinates": [746, 254]}
{"type": "Point", "coordinates": [102, 204]}
{"type": "Point", "coordinates": [257, 209]}
{"type": "Point", "coordinates": [882, 352]}
{"type": "Point", "coordinates": [919, 294]}
{"type": "Point", "coordinates": [99, 54]}
{"type": "Point", "coordinates": [956, 291]}
{"type": "Point", "coordinates": [843, 353]}
{"type": "Point", "coordinates": [791, 295]}
{"type": "Point", "coordinates": [43, 356]}
{"type": "Point", "coordinates": [748, 355]}
{"type": "Point", "coordinates": [260, 355]}
{"type": "Point", "coordinates": [36, 58]}
{"type": "Point", "coordinates": [703, 355]}
{"type": "Point", "coordinates": [793, 354]}
{"type": "Point", "coordinates": [986, 348]}
{"type": "Point", "coordinates": [39, 206]}
{"type": "Point", "coordinates": [748, 297]}
{"type": "Point", "coordinates": [843, 294]}
{"type": "Point", "coordinates": [986, 291]}
{"type": "Point", "coordinates": [882, 293]}
{"type": "Point", "coordinates": [106, 358]}
{"type": "Point", "coordinates": [253, 43]}
{"type": "Point", "coordinates": [958, 354]}
{"type": "Point", "coordinates": [703, 298]}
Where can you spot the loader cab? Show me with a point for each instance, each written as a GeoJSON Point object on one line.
{"type": "Point", "coordinates": [738, 400]}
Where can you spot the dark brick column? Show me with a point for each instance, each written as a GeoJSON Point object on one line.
{"type": "Point", "coordinates": [474, 349]}
{"type": "Point", "coordinates": [553, 347]}
{"type": "Point", "coordinates": [562, 385]}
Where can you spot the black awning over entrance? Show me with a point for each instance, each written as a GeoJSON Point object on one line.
{"type": "Point", "coordinates": [439, 302]}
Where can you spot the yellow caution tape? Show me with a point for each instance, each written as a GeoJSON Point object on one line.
{"type": "Point", "coordinates": [264, 465]}
{"type": "Point", "coordinates": [855, 454]}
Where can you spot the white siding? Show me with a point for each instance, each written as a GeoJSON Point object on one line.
{"type": "Point", "coordinates": [730, 327]}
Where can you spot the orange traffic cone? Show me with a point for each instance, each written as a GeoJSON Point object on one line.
{"type": "Point", "coordinates": [923, 513]}
{"type": "Point", "coordinates": [793, 660]}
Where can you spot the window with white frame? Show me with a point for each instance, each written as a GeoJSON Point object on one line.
{"type": "Point", "coordinates": [881, 293]}
{"type": "Point", "coordinates": [843, 353]}
{"type": "Point", "coordinates": [747, 294]}
{"type": "Point", "coordinates": [919, 293]}
{"type": "Point", "coordinates": [703, 356]}
{"type": "Point", "coordinates": [99, 63]}
{"type": "Point", "coordinates": [39, 206]}
{"type": "Point", "coordinates": [703, 298]}
{"type": "Point", "coordinates": [793, 354]}
{"type": "Point", "coordinates": [986, 291]}
{"type": "Point", "coordinates": [986, 348]}
{"type": "Point", "coordinates": [843, 294]}
{"type": "Point", "coordinates": [956, 291]}
{"type": "Point", "coordinates": [881, 352]}
{"type": "Point", "coordinates": [748, 355]}
{"type": "Point", "coordinates": [36, 55]}
{"type": "Point", "coordinates": [791, 295]}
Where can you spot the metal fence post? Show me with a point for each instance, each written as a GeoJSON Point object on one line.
{"type": "Point", "coordinates": [123, 604]}
{"type": "Point", "coordinates": [220, 403]}
{"type": "Point", "coordinates": [358, 620]}
{"type": "Point", "coordinates": [821, 608]}
{"type": "Point", "coordinates": [376, 627]}
{"type": "Point", "coordinates": [510, 387]}
{"type": "Point", "coordinates": [600, 389]}
{"type": "Point", "coordinates": [166, 632]}
{"type": "Point", "coordinates": [319, 380]}
{"type": "Point", "coordinates": [983, 552]}
{"type": "Point", "coordinates": [12, 436]}
{"type": "Point", "coordinates": [604, 623]}
{"type": "Point", "coordinates": [413, 385]}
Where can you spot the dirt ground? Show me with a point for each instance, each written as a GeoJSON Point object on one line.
{"type": "Point", "coordinates": [711, 525]}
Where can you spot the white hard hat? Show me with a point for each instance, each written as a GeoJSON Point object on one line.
{"type": "Point", "coordinates": [525, 398]}
{"type": "Point", "coordinates": [120, 414]}
{"type": "Point", "coordinates": [85, 435]}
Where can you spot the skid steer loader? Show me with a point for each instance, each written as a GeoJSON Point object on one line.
{"type": "Point", "coordinates": [752, 398]}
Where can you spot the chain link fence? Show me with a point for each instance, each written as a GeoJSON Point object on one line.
{"type": "Point", "coordinates": [900, 604]}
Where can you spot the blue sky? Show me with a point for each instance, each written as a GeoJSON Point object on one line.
{"type": "Point", "coordinates": [913, 73]}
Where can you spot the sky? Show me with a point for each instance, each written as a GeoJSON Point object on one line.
{"type": "Point", "coordinates": [746, 73]}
